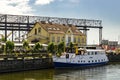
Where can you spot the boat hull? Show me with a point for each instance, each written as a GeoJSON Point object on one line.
{"type": "Point", "coordinates": [82, 65]}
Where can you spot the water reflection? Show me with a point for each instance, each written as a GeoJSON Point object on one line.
{"type": "Point", "coordinates": [109, 72]}
{"type": "Point", "coordinates": [46, 74]}
{"type": "Point", "coordinates": [95, 73]}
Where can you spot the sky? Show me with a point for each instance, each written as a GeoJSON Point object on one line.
{"type": "Point", "coordinates": [106, 10]}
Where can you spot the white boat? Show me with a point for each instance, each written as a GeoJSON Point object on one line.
{"type": "Point", "coordinates": [83, 58]}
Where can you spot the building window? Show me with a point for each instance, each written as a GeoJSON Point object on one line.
{"type": "Point", "coordinates": [68, 31]}
{"type": "Point", "coordinates": [69, 39]}
{"type": "Point", "coordinates": [74, 39]}
{"type": "Point", "coordinates": [35, 31]}
{"type": "Point", "coordinates": [53, 39]}
{"type": "Point", "coordinates": [78, 40]}
{"type": "Point", "coordinates": [58, 39]}
{"type": "Point", "coordinates": [82, 40]}
{"type": "Point", "coordinates": [62, 39]}
{"type": "Point", "coordinates": [39, 30]}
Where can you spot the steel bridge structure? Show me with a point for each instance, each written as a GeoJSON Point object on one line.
{"type": "Point", "coordinates": [20, 25]}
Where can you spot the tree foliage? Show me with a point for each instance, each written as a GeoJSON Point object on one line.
{"type": "Point", "coordinates": [71, 46]}
{"type": "Point", "coordinates": [26, 46]}
{"type": "Point", "coordinates": [3, 39]}
{"type": "Point", "coordinates": [37, 47]}
{"type": "Point", "coordinates": [51, 48]}
{"type": "Point", "coordinates": [9, 46]}
{"type": "Point", "coordinates": [61, 48]}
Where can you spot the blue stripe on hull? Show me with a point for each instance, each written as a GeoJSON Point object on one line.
{"type": "Point", "coordinates": [65, 65]}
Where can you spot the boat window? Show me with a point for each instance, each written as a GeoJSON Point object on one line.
{"type": "Point", "coordinates": [95, 60]}
{"type": "Point", "coordinates": [78, 61]}
{"type": "Point", "coordinates": [92, 61]}
{"type": "Point", "coordinates": [92, 53]}
{"type": "Point", "coordinates": [79, 52]}
{"type": "Point", "coordinates": [89, 61]}
{"type": "Point", "coordinates": [88, 53]}
{"type": "Point", "coordinates": [98, 60]}
{"type": "Point", "coordinates": [95, 53]}
{"type": "Point", "coordinates": [83, 53]}
{"type": "Point", "coordinates": [67, 55]}
{"type": "Point", "coordinates": [102, 60]}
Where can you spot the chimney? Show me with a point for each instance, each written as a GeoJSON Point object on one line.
{"type": "Point", "coordinates": [70, 25]}
{"type": "Point", "coordinates": [64, 25]}
{"type": "Point", "coordinates": [50, 23]}
{"type": "Point", "coordinates": [43, 22]}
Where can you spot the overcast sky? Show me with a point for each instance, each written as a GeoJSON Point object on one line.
{"type": "Point", "coordinates": [106, 10]}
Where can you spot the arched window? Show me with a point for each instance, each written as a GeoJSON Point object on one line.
{"type": "Point", "coordinates": [35, 31]}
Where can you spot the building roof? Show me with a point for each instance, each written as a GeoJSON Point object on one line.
{"type": "Point", "coordinates": [76, 31]}
{"type": "Point", "coordinates": [54, 28]}
{"type": "Point", "coordinates": [59, 28]}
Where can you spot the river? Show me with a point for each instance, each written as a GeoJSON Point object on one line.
{"type": "Point", "coordinates": [108, 72]}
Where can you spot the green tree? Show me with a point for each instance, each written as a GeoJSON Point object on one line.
{"type": "Point", "coordinates": [3, 39]}
{"type": "Point", "coordinates": [71, 46]}
{"type": "Point", "coordinates": [9, 47]}
{"type": "Point", "coordinates": [37, 47]}
{"type": "Point", "coordinates": [26, 46]}
{"type": "Point", "coordinates": [51, 48]}
{"type": "Point", "coordinates": [61, 47]}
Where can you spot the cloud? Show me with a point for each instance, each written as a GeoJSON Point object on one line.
{"type": "Point", "coordinates": [43, 2]}
{"type": "Point", "coordinates": [74, 1]}
{"type": "Point", "coordinates": [15, 7]}
{"type": "Point", "coordinates": [25, 7]}
{"type": "Point", "coordinates": [70, 1]}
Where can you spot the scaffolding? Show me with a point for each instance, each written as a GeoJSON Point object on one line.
{"type": "Point", "coordinates": [23, 24]}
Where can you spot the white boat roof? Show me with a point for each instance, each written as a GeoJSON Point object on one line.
{"type": "Point", "coordinates": [95, 50]}
{"type": "Point", "coordinates": [21, 44]}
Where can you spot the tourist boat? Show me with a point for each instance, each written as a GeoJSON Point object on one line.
{"type": "Point", "coordinates": [81, 58]}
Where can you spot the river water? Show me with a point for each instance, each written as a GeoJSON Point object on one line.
{"type": "Point", "coordinates": [108, 72]}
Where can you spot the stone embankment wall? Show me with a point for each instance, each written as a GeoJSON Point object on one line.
{"type": "Point", "coordinates": [113, 57]}
{"type": "Point", "coordinates": [10, 64]}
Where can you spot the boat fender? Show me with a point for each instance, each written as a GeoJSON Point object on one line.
{"type": "Point", "coordinates": [67, 55]}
